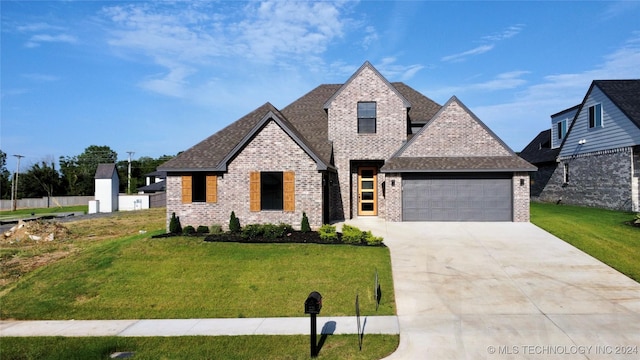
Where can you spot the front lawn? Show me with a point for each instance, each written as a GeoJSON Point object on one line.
{"type": "Point", "coordinates": [600, 233]}
{"type": "Point", "coordinates": [185, 277]}
{"type": "Point", "coordinates": [197, 347]}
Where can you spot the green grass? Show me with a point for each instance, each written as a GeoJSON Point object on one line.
{"type": "Point", "coordinates": [196, 347]}
{"type": "Point", "coordinates": [8, 214]}
{"type": "Point", "coordinates": [184, 277]}
{"type": "Point", "coordinates": [600, 233]}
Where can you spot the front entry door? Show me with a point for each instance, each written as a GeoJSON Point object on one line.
{"type": "Point", "coordinates": [367, 194]}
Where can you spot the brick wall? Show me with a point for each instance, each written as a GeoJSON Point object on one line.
{"type": "Point", "coordinates": [391, 131]}
{"type": "Point", "coordinates": [455, 133]}
{"type": "Point", "coordinates": [598, 180]}
{"type": "Point", "coordinates": [271, 150]}
{"type": "Point", "coordinates": [521, 197]}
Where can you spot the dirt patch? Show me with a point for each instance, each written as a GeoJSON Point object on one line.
{"type": "Point", "coordinates": [37, 230]}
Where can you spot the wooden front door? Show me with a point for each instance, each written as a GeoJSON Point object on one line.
{"type": "Point", "coordinates": [367, 191]}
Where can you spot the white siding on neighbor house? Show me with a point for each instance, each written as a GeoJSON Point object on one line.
{"type": "Point", "coordinates": [564, 116]}
{"type": "Point", "coordinates": [617, 130]}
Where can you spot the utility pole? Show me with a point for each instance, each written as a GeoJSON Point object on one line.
{"type": "Point", "coordinates": [129, 176]}
{"type": "Point", "coordinates": [15, 188]}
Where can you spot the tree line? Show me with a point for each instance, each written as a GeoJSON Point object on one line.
{"type": "Point", "coordinates": [75, 175]}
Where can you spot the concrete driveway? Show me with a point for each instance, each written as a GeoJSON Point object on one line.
{"type": "Point", "coordinates": [505, 291]}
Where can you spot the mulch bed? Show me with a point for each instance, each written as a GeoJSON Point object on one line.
{"type": "Point", "coordinates": [295, 237]}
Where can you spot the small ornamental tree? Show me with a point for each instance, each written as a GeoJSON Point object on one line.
{"type": "Point", "coordinates": [234, 223]}
{"type": "Point", "coordinates": [305, 223]}
{"type": "Point", "coordinates": [174, 224]}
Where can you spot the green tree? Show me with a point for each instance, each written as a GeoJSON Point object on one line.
{"type": "Point", "coordinates": [5, 175]}
{"type": "Point", "coordinates": [139, 168]}
{"type": "Point", "coordinates": [78, 172]}
{"type": "Point", "coordinates": [42, 179]}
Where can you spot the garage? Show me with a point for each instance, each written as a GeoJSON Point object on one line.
{"type": "Point", "coordinates": [457, 197]}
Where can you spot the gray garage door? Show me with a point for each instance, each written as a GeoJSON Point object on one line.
{"type": "Point", "coordinates": [481, 197]}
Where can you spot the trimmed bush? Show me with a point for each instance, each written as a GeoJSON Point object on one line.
{"type": "Point", "coordinates": [271, 231]}
{"type": "Point", "coordinates": [285, 228]}
{"type": "Point", "coordinates": [351, 234]}
{"type": "Point", "coordinates": [305, 223]}
{"type": "Point", "coordinates": [174, 224]}
{"type": "Point", "coordinates": [234, 223]}
{"type": "Point", "coordinates": [252, 231]}
{"type": "Point", "coordinates": [202, 229]}
{"type": "Point", "coordinates": [372, 240]}
{"type": "Point", "coordinates": [328, 232]}
{"type": "Point", "coordinates": [188, 230]}
{"type": "Point", "coordinates": [216, 229]}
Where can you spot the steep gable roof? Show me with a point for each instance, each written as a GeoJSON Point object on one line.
{"type": "Point", "coordinates": [366, 65]}
{"type": "Point", "coordinates": [536, 152]}
{"type": "Point", "coordinates": [105, 171]}
{"type": "Point", "coordinates": [455, 140]}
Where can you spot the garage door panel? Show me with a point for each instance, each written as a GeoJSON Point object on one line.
{"type": "Point", "coordinates": [485, 198]}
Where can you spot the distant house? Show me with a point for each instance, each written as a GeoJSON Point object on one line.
{"type": "Point", "coordinates": [365, 148]}
{"type": "Point", "coordinates": [598, 150]}
{"type": "Point", "coordinates": [155, 182]}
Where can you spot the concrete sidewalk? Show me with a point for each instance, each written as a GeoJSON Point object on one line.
{"type": "Point", "coordinates": [203, 327]}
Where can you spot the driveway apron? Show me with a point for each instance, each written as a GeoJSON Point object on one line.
{"type": "Point", "coordinates": [505, 291]}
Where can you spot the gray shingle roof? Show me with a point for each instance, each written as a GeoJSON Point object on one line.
{"type": "Point", "coordinates": [538, 151]}
{"type": "Point", "coordinates": [105, 171]}
{"type": "Point", "coordinates": [457, 164]}
{"type": "Point", "coordinates": [305, 117]}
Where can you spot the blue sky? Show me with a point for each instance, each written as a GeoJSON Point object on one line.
{"type": "Point", "coordinates": [158, 77]}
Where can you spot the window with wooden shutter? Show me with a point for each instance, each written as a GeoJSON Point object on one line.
{"type": "Point", "coordinates": [212, 188]}
{"type": "Point", "coordinates": [289, 191]}
{"type": "Point", "coordinates": [187, 189]}
{"type": "Point", "coordinates": [254, 191]}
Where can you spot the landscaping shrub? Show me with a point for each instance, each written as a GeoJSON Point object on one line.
{"type": "Point", "coordinates": [234, 223]}
{"type": "Point", "coordinates": [174, 224]}
{"type": "Point", "coordinates": [305, 223]}
{"type": "Point", "coordinates": [216, 229]}
{"type": "Point", "coordinates": [351, 234]}
{"type": "Point", "coordinates": [188, 230]}
{"type": "Point", "coordinates": [372, 240]}
{"type": "Point", "coordinates": [328, 232]}
{"type": "Point", "coordinates": [285, 228]}
{"type": "Point", "coordinates": [252, 231]}
{"type": "Point", "coordinates": [271, 231]}
{"type": "Point", "coordinates": [202, 230]}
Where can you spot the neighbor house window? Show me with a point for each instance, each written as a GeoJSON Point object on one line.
{"type": "Point", "coordinates": [366, 118]}
{"type": "Point", "coordinates": [566, 173]}
{"type": "Point", "coordinates": [562, 129]}
{"type": "Point", "coordinates": [199, 187]}
{"type": "Point", "coordinates": [272, 190]}
{"type": "Point", "coordinates": [595, 116]}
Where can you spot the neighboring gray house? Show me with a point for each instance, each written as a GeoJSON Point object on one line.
{"type": "Point", "coordinates": [598, 163]}
{"type": "Point", "coordinates": [364, 148]}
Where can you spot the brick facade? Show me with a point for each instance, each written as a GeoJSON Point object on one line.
{"type": "Point", "coordinates": [600, 179]}
{"type": "Point", "coordinates": [521, 211]}
{"type": "Point", "coordinates": [271, 150]}
{"type": "Point", "coordinates": [351, 147]}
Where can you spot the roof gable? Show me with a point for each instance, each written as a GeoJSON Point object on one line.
{"type": "Point", "coordinates": [106, 171]}
{"type": "Point", "coordinates": [625, 94]}
{"type": "Point", "coordinates": [366, 65]}
{"type": "Point", "coordinates": [539, 149]}
{"type": "Point", "coordinates": [454, 131]}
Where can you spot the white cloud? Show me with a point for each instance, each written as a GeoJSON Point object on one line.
{"type": "Point", "coordinates": [463, 55]}
{"type": "Point", "coordinates": [393, 71]}
{"type": "Point", "coordinates": [40, 77]}
{"type": "Point", "coordinates": [37, 40]}
{"type": "Point", "coordinates": [492, 39]}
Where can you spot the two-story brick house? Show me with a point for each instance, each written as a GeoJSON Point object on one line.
{"type": "Point", "coordinates": [597, 149]}
{"type": "Point", "coordinates": [367, 147]}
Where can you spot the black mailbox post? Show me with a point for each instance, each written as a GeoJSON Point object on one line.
{"type": "Point", "coordinates": [312, 306]}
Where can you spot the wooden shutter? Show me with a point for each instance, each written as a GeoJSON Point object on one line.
{"type": "Point", "coordinates": [289, 201]}
{"type": "Point", "coordinates": [254, 191]}
{"type": "Point", "coordinates": [212, 188]}
{"type": "Point", "coordinates": [187, 189]}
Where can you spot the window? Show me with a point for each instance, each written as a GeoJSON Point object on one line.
{"type": "Point", "coordinates": [199, 187]}
{"type": "Point", "coordinates": [566, 173]}
{"type": "Point", "coordinates": [595, 116]}
{"type": "Point", "coordinates": [562, 129]}
{"type": "Point", "coordinates": [366, 118]}
{"type": "Point", "coordinates": [272, 191]}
